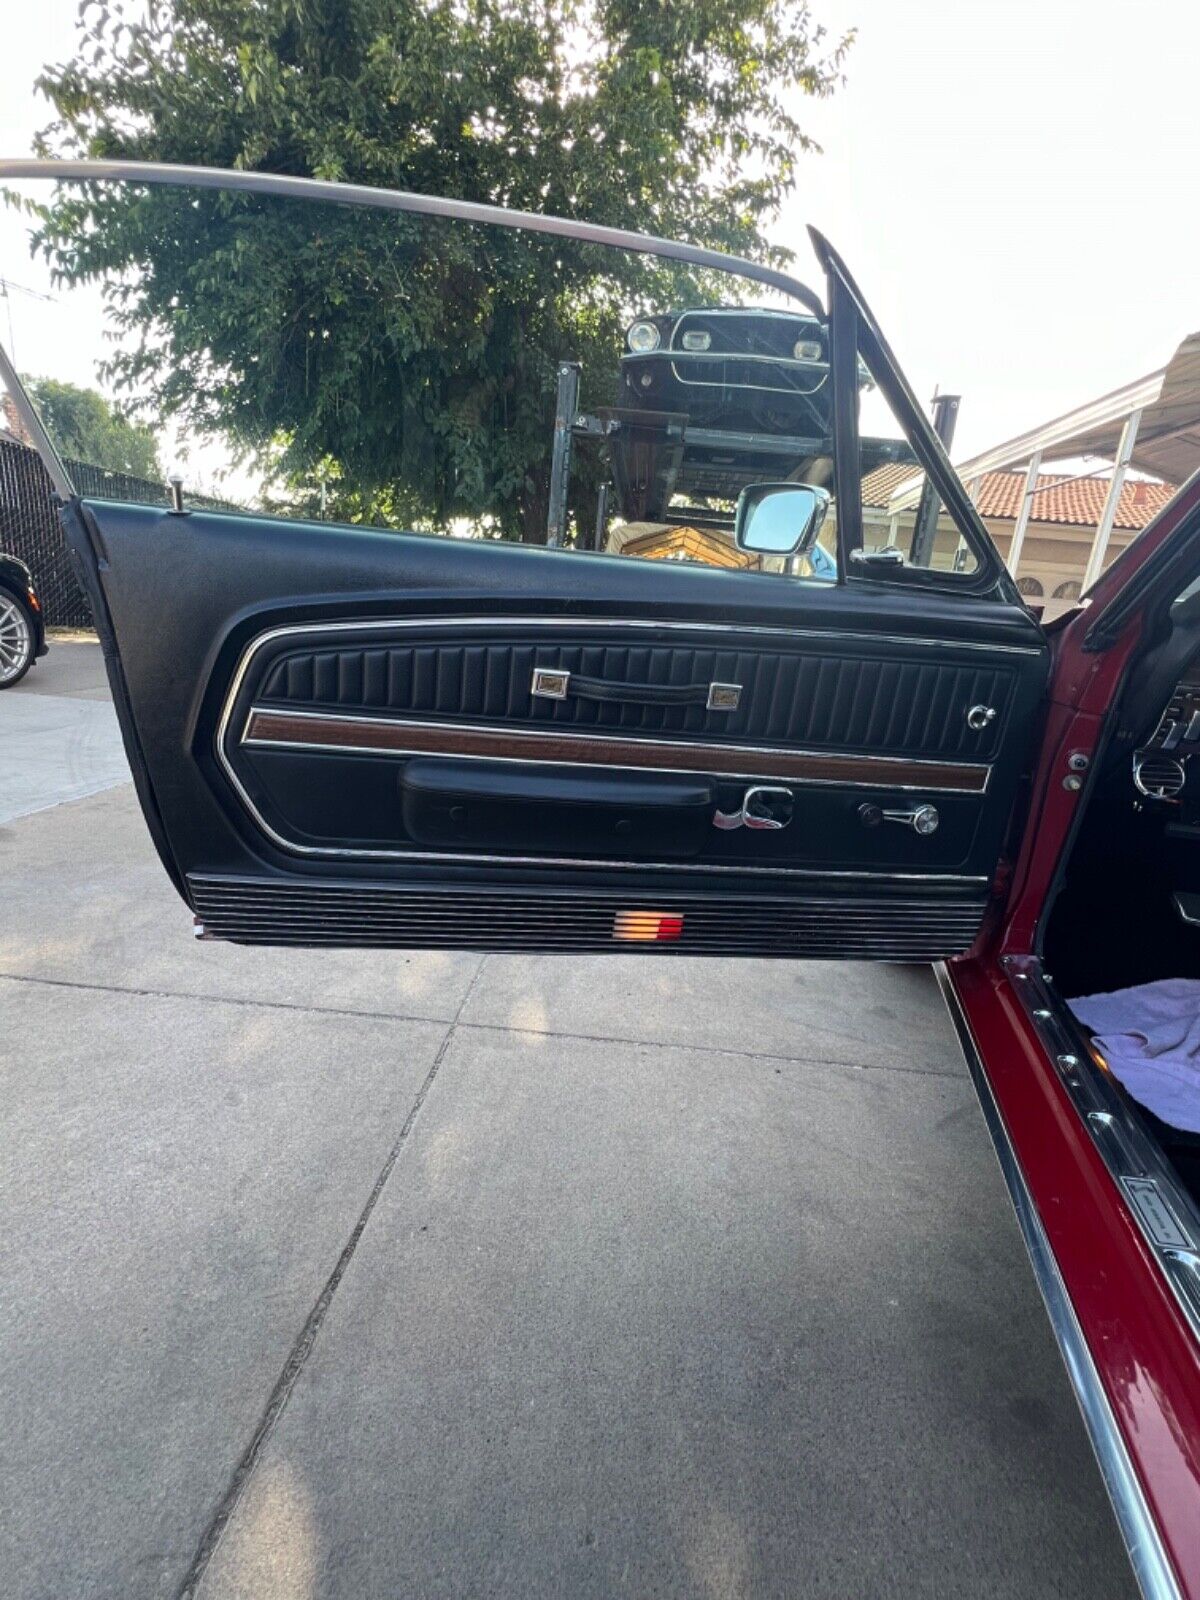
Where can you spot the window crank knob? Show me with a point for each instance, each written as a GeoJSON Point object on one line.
{"type": "Point", "coordinates": [922, 819]}
{"type": "Point", "coordinates": [925, 819]}
{"type": "Point", "coordinates": [978, 717]}
{"type": "Point", "coordinates": [871, 816]}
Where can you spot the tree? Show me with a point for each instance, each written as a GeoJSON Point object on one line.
{"type": "Point", "coordinates": [676, 119]}
{"type": "Point", "coordinates": [86, 427]}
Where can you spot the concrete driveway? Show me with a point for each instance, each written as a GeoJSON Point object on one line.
{"type": "Point", "coordinates": [366, 1275]}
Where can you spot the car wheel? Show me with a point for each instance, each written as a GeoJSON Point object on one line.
{"type": "Point", "coordinates": [17, 637]}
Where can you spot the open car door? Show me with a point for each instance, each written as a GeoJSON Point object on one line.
{"type": "Point", "coordinates": [363, 707]}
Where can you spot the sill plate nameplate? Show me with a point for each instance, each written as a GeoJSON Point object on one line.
{"type": "Point", "coordinates": [1159, 1221]}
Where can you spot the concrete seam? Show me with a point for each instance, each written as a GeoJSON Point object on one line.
{"type": "Point", "coordinates": [305, 1341]}
{"type": "Point", "coordinates": [484, 1027]}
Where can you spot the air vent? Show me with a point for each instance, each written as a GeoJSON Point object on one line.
{"type": "Point", "coordinates": [1158, 777]}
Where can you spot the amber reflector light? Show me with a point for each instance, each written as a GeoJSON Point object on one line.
{"type": "Point", "coordinates": [652, 926]}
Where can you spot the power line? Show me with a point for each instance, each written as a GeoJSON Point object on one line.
{"type": "Point", "coordinates": [7, 287]}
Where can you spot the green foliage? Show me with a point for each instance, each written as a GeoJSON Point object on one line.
{"type": "Point", "coordinates": [409, 358]}
{"type": "Point", "coordinates": [85, 427]}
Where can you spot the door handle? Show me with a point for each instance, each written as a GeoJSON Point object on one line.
{"type": "Point", "coordinates": [552, 683]}
{"type": "Point", "coordinates": [763, 806]}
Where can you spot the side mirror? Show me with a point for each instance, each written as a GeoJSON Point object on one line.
{"type": "Point", "coordinates": [779, 519]}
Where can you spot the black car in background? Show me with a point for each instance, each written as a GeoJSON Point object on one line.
{"type": "Point", "coordinates": [22, 630]}
{"type": "Point", "coordinates": [745, 369]}
{"type": "Point", "coordinates": [716, 398]}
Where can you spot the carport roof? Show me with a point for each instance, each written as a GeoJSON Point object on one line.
{"type": "Point", "coordinates": [1168, 437]}
{"type": "Point", "coordinates": [1168, 441]}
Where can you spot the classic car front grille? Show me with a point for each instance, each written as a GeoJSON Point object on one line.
{"type": "Point", "coordinates": [266, 911]}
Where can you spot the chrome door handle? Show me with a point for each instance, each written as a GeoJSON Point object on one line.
{"type": "Point", "coordinates": [749, 817]}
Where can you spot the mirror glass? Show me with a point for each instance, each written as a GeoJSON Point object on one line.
{"type": "Point", "coordinates": [780, 519]}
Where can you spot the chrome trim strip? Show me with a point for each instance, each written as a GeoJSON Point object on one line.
{"type": "Point", "coordinates": [1130, 1153]}
{"type": "Point", "coordinates": [271, 183]}
{"type": "Point", "coordinates": [1143, 1543]}
{"type": "Point", "coordinates": [351, 719]}
{"type": "Point", "coordinates": [751, 629]}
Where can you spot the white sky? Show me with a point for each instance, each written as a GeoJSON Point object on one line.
{"type": "Point", "coordinates": [1011, 181]}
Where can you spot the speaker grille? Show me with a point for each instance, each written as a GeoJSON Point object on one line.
{"type": "Point", "coordinates": [265, 911]}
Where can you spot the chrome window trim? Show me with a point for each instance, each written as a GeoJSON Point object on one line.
{"type": "Point", "coordinates": [1143, 1542]}
{"type": "Point", "coordinates": [344, 852]}
{"type": "Point", "coordinates": [545, 620]}
{"type": "Point", "coordinates": [1127, 1150]}
{"type": "Point", "coordinates": [360, 194]}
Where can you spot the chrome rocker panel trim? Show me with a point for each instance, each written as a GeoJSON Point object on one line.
{"type": "Point", "coordinates": [1143, 1543]}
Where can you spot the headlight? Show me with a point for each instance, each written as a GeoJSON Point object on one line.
{"type": "Point", "coordinates": [642, 338]}
{"type": "Point", "coordinates": [696, 339]}
{"type": "Point", "coordinates": [807, 350]}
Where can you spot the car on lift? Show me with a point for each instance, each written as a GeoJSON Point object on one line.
{"type": "Point", "coordinates": [22, 626]}
{"type": "Point", "coordinates": [746, 369]}
{"type": "Point", "coordinates": [713, 399]}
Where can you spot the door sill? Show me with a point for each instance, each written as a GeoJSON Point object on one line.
{"type": "Point", "coordinates": [1165, 1213]}
{"type": "Point", "coordinates": [1143, 1542]}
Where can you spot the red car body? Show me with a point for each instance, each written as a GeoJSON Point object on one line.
{"type": "Point", "coordinates": [1133, 1330]}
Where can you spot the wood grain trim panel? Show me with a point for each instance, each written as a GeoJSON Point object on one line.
{"type": "Point", "coordinates": [395, 736]}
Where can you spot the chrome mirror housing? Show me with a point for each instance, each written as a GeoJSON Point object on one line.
{"type": "Point", "coordinates": [779, 519]}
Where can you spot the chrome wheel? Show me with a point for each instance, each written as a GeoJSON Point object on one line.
{"type": "Point", "coordinates": [16, 640]}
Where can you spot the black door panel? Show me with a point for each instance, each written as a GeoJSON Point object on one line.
{"type": "Point", "coordinates": [840, 693]}
{"type": "Point", "coordinates": [332, 805]}
{"type": "Point", "coordinates": [303, 668]}
{"type": "Point", "coordinates": [503, 805]}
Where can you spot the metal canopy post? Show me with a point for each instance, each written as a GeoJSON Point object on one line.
{"type": "Point", "coordinates": [1108, 516]}
{"type": "Point", "coordinates": [1022, 522]}
{"type": "Point", "coordinates": [925, 527]}
{"type": "Point", "coordinates": [565, 408]}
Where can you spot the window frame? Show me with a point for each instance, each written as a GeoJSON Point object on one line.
{"type": "Point", "coordinates": [854, 331]}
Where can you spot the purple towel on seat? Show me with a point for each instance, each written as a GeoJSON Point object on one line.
{"type": "Point", "coordinates": [1150, 1037]}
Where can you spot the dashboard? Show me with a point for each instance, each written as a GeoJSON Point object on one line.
{"type": "Point", "coordinates": [1161, 767]}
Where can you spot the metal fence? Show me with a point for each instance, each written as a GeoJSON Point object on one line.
{"type": "Point", "coordinates": [30, 529]}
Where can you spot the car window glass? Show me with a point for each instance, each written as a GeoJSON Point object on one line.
{"type": "Point", "coordinates": [905, 525]}
{"type": "Point", "coordinates": [305, 359]}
